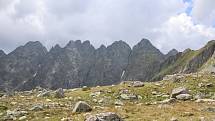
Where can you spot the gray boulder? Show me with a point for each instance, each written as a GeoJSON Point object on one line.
{"type": "Point", "coordinates": [109, 116]}
{"type": "Point", "coordinates": [179, 90]}
{"type": "Point", "coordinates": [184, 97]}
{"type": "Point", "coordinates": [59, 93]}
{"type": "Point", "coordinates": [81, 106]}
{"type": "Point", "coordinates": [137, 84]}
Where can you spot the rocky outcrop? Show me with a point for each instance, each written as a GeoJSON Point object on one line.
{"type": "Point", "coordinates": [144, 61]}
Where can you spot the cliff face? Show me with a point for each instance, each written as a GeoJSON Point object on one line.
{"type": "Point", "coordinates": [80, 64]}
{"type": "Point", "coordinates": [144, 61]}
{"type": "Point", "coordinates": [109, 64]}
{"type": "Point", "coordinates": [21, 65]}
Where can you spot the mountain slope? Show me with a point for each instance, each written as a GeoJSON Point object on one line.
{"type": "Point", "coordinates": [188, 61]}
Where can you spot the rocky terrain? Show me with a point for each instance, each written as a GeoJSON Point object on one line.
{"type": "Point", "coordinates": [79, 64]}
{"type": "Point", "coordinates": [178, 97]}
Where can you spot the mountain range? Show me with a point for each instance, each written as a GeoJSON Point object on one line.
{"type": "Point", "coordinates": [81, 64]}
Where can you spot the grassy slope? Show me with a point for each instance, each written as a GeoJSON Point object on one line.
{"type": "Point", "coordinates": [131, 111]}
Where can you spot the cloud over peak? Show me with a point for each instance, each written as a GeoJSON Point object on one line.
{"type": "Point", "coordinates": [164, 22]}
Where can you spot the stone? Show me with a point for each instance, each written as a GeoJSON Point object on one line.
{"type": "Point", "coordinates": [119, 103]}
{"type": "Point", "coordinates": [44, 94]}
{"type": "Point", "coordinates": [22, 118]}
{"type": "Point", "coordinates": [85, 88]}
{"type": "Point", "coordinates": [171, 100]}
{"type": "Point", "coordinates": [108, 116]}
{"type": "Point", "coordinates": [184, 97]}
{"type": "Point", "coordinates": [59, 93]}
{"type": "Point", "coordinates": [187, 114]}
{"type": "Point", "coordinates": [177, 91]}
{"type": "Point", "coordinates": [81, 106]}
{"type": "Point", "coordinates": [128, 97]}
{"type": "Point", "coordinates": [199, 96]}
{"type": "Point", "coordinates": [204, 100]}
{"type": "Point", "coordinates": [173, 119]}
{"type": "Point", "coordinates": [12, 115]}
{"type": "Point", "coordinates": [137, 84]}
{"type": "Point", "coordinates": [37, 107]}
{"type": "Point", "coordinates": [210, 109]}
{"type": "Point", "coordinates": [209, 84]}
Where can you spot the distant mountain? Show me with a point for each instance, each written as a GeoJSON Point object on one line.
{"type": "Point", "coordinates": [21, 65]}
{"type": "Point", "coordinates": [172, 52]}
{"type": "Point", "coordinates": [144, 61]}
{"type": "Point", "coordinates": [79, 64]}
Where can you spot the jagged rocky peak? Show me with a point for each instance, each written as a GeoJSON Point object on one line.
{"type": "Point", "coordinates": [30, 48]}
{"type": "Point", "coordinates": [144, 61]}
{"type": "Point", "coordinates": [172, 52]}
{"type": "Point", "coordinates": [2, 53]}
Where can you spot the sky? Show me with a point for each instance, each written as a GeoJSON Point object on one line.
{"type": "Point", "coordinates": [168, 24]}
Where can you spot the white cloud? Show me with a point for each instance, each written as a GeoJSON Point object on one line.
{"type": "Point", "coordinates": [204, 11]}
{"type": "Point", "coordinates": [101, 22]}
{"type": "Point", "coordinates": [180, 32]}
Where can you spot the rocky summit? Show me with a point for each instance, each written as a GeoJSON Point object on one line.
{"type": "Point", "coordinates": [79, 64]}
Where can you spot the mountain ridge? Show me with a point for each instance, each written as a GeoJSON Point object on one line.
{"type": "Point", "coordinates": [81, 64]}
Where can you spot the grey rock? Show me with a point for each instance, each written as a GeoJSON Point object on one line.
{"type": "Point", "coordinates": [36, 107]}
{"type": "Point", "coordinates": [59, 93]}
{"type": "Point", "coordinates": [184, 97]}
{"type": "Point", "coordinates": [137, 84]}
{"type": "Point", "coordinates": [119, 103]}
{"type": "Point", "coordinates": [82, 106]}
{"type": "Point", "coordinates": [128, 97]}
{"type": "Point", "coordinates": [109, 116]}
{"type": "Point", "coordinates": [44, 94]}
{"type": "Point", "coordinates": [177, 91]}
{"type": "Point", "coordinates": [209, 109]}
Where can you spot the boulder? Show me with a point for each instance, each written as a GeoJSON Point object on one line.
{"type": "Point", "coordinates": [59, 93]}
{"type": "Point", "coordinates": [137, 84]}
{"type": "Point", "coordinates": [184, 97]}
{"type": "Point", "coordinates": [44, 94]}
{"type": "Point", "coordinates": [82, 106]}
{"type": "Point", "coordinates": [109, 116]}
{"type": "Point", "coordinates": [128, 97]}
{"type": "Point", "coordinates": [177, 91]}
{"type": "Point", "coordinates": [37, 107]}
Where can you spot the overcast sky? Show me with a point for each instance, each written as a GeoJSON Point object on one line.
{"type": "Point", "coordinates": [168, 24]}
